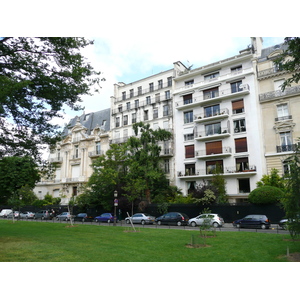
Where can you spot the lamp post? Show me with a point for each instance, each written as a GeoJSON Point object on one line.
{"type": "Point", "coordinates": [115, 207]}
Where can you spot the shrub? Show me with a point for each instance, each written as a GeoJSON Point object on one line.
{"type": "Point", "coordinates": [266, 195]}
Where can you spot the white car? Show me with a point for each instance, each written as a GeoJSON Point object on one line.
{"type": "Point", "coordinates": [27, 215]}
{"type": "Point", "coordinates": [140, 218]}
{"type": "Point", "coordinates": [214, 220]}
{"type": "Point", "coordinates": [5, 212]}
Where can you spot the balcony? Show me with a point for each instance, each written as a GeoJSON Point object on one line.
{"type": "Point", "coordinates": [56, 160]}
{"type": "Point", "coordinates": [269, 73]}
{"type": "Point", "coordinates": [291, 91]}
{"type": "Point", "coordinates": [223, 152]}
{"type": "Point", "coordinates": [206, 136]}
{"type": "Point", "coordinates": [222, 114]}
{"type": "Point", "coordinates": [96, 153]}
{"type": "Point", "coordinates": [286, 148]}
{"type": "Point", "coordinates": [166, 152]}
{"type": "Point", "coordinates": [206, 99]}
{"type": "Point", "coordinates": [280, 119]}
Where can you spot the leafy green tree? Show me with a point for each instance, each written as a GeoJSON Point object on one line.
{"type": "Point", "coordinates": [218, 181]}
{"type": "Point", "coordinates": [38, 78]}
{"type": "Point", "coordinates": [289, 61]}
{"type": "Point", "coordinates": [144, 159]}
{"type": "Point", "coordinates": [272, 180]}
{"type": "Point", "coordinates": [266, 195]}
{"type": "Point", "coordinates": [15, 173]}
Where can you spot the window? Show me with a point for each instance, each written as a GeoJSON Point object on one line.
{"type": "Point", "coordinates": [128, 105]}
{"type": "Point", "coordinates": [146, 116]}
{"type": "Point", "coordinates": [160, 84]}
{"type": "Point", "coordinates": [165, 110]}
{"type": "Point", "coordinates": [239, 125]}
{"type": "Point", "coordinates": [286, 167]}
{"type": "Point", "coordinates": [58, 154]}
{"type": "Point", "coordinates": [213, 147]}
{"type": "Point", "coordinates": [155, 113]}
{"type": "Point", "coordinates": [157, 97]}
{"type": "Point", "coordinates": [188, 137]}
{"type": "Point", "coordinates": [169, 79]}
{"type": "Point", "coordinates": [236, 70]}
{"type": "Point", "coordinates": [238, 106]}
{"type": "Point", "coordinates": [148, 100]}
{"type": "Point", "coordinates": [282, 112]}
{"type": "Point", "coordinates": [235, 87]}
{"type": "Point", "coordinates": [190, 169]}
{"type": "Point", "coordinates": [187, 99]}
{"type": "Point", "coordinates": [211, 110]}
{"type": "Point", "coordinates": [167, 95]}
{"type": "Point", "coordinates": [131, 93]}
{"type": "Point", "coordinates": [117, 121]}
{"type": "Point", "coordinates": [139, 90]}
{"type": "Point", "coordinates": [136, 103]}
{"type": "Point", "coordinates": [76, 152]}
{"type": "Point", "coordinates": [244, 185]}
{"type": "Point", "coordinates": [167, 166]}
{"type": "Point", "coordinates": [242, 164]}
{"type": "Point", "coordinates": [189, 82]}
{"type": "Point", "coordinates": [190, 151]}
{"type": "Point", "coordinates": [286, 141]}
{"type": "Point", "coordinates": [277, 84]}
{"type": "Point", "coordinates": [241, 145]}
{"type": "Point", "coordinates": [151, 87]}
{"type": "Point", "coordinates": [123, 95]}
{"type": "Point", "coordinates": [188, 117]}
{"type": "Point", "coordinates": [133, 118]}
{"type": "Point", "coordinates": [211, 93]}
{"type": "Point", "coordinates": [125, 120]}
{"type": "Point", "coordinates": [212, 76]}
{"type": "Point", "coordinates": [120, 108]}
{"type": "Point", "coordinates": [212, 129]}
{"type": "Point", "coordinates": [98, 148]}
{"type": "Point", "coordinates": [214, 166]}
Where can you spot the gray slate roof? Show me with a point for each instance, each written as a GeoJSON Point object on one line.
{"type": "Point", "coordinates": [267, 51]}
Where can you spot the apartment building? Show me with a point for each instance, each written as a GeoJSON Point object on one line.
{"type": "Point", "coordinates": [149, 100]}
{"type": "Point", "coordinates": [217, 123]}
{"type": "Point", "coordinates": [85, 138]}
{"type": "Point", "coordinates": [280, 110]}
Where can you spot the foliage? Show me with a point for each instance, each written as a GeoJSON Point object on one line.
{"type": "Point", "coordinates": [272, 180]}
{"type": "Point", "coordinates": [50, 200]}
{"type": "Point", "coordinates": [289, 60]}
{"type": "Point", "coordinates": [209, 197]}
{"type": "Point", "coordinates": [204, 193]}
{"type": "Point", "coordinates": [218, 181]}
{"type": "Point", "coordinates": [291, 201]}
{"type": "Point", "coordinates": [38, 77]}
{"type": "Point", "coordinates": [266, 195]}
{"type": "Point", "coordinates": [15, 173]}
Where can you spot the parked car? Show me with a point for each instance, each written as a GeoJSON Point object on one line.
{"type": "Point", "coordinates": [260, 221]}
{"type": "Point", "coordinates": [141, 218]}
{"type": "Point", "coordinates": [27, 215]}
{"type": "Point", "coordinates": [284, 222]}
{"type": "Point", "coordinates": [83, 217]}
{"type": "Point", "coordinates": [175, 218]}
{"type": "Point", "coordinates": [106, 217]}
{"type": "Point", "coordinates": [64, 216]}
{"type": "Point", "coordinates": [214, 220]}
{"type": "Point", "coordinates": [15, 214]}
{"type": "Point", "coordinates": [43, 214]}
{"type": "Point", "coordinates": [5, 212]}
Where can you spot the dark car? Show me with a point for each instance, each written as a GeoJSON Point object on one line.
{"type": "Point", "coordinates": [254, 221]}
{"type": "Point", "coordinates": [83, 217]}
{"type": "Point", "coordinates": [175, 218]}
{"type": "Point", "coordinates": [106, 217]}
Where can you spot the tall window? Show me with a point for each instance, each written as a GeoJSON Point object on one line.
{"type": "Point", "coordinates": [212, 129]}
{"type": "Point", "coordinates": [160, 84]}
{"type": "Point", "coordinates": [155, 113]}
{"type": "Point", "coordinates": [98, 148]}
{"type": "Point", "coordinates": [242, 164]}
{"type": "Point", "coordinates": [148, 100]}
{"type": "Point", "coordinates": [139, 90]}
{"type": "Point", "coordinates": [187, 99]}
{"type": "Point", "coordinates": [123, 95]}
{"type": "Point", "coordinates": [189, 151]}
{"type": "Point", "coordinates": [239, 125]}
{"type": "Point", "coordinates": [169, 81]}
{"type": "Point", "coordinates": [190, 169]}
{"type": "Point", "coordinates": [125, 120]}
{"type": "Point", "coordinates": [188, 117]}
{"type": "Point", "coordinates": [167, 95]}
{"type": "Point", "coordinates": [128, 105]}
{"type": "Point", "coordinates": [146, 116]}
{"type": "Point", "coordinates": [244, 185]}
{"type": "Point", "coordinates": [213, 166]}
{"type": "Point", "coordinates": [235, 86]}
{"type": "Point", "coordinates": [131, 93]}
{"type": "Point", "coordinates": [211, 93]}
{"type": "Point", "coordinates": [76, 151]}
{"type": "Point", "coordinates": [211, 110]}
{"type": "Point", "coordinates": [136, 103]}
{"type": "Point", "coordinates": [282, 112]}
{"type": "Point", "coordinates": [133, 118]}
{"type": "Point", "coordinates": [167, 166]}
{"type": "Point", "coordinates": [151, 88]}
{"type": "Point", "coordinates": [241, 145]}
{"type": "Point", "coordinates": [117, 121]}
{"type": "Point", "coordinates": [157, 97]}
{"type": "Point", "coordinates": [238, 106]}
{"type": "Point", "coordinates": [286, 141]}
{"type": "Point", "coordinates": [165, 110]}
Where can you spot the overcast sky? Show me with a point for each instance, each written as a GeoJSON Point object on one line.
{"type": "Point", "coordinates": [123, 59]}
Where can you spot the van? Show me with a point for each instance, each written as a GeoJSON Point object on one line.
{"type": "Point", "coordinates": [5, 212]}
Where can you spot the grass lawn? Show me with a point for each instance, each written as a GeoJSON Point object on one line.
{"type": "Point", "coordinates": [57, 242]}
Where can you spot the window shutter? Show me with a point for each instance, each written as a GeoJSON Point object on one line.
{"type": "Point", "coordinates": [189, 151]}
{"type": "Point", "coordinates": [241, 145]}
{"type": "Point", "coordinates": [213, 147]}
{"type": "Point", "coordinates": [238, 104]}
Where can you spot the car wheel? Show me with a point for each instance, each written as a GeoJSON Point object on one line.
{"type": "Point", "coordinates": [96, 220]}
{"type": "Point", "coordinates": [66, 219]}
{"type": "Point", "coordinates": [127, 221]}
{"type": "Point", "coordinates": [158, 222]}
{"type": "Point", "coordinates": [42, 218]}
{"type": "Point", "coordinates": [143, 222]}
{"type": "Point", "coordinates": [83, 220]}
{"type": "Point", "coordinates": [215, 225]}
{"type": "Point", "coordinates": [263, 226]}
{"type": "Point", "coordinates": [179, 223]}
{"type": "Point", "coordinates": [238, 226]}
{"type": "Point", "coordinates": [108, 221]}
{"type": "Point", "coordinates": [193, 224]}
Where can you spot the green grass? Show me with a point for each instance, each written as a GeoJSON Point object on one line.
{"type": "Point", "coordinates": [56, 242]}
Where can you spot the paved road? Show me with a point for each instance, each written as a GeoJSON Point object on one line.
{"type": "Point", "coordinates": [226, 227]}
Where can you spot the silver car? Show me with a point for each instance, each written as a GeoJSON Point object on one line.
{"type": "Point", "coordinates": [27, 215]}
{"type": "Point", "coordinates": [214, 220]}
{"type": "Point", "coordinates": [65, 216]}
{"type": "Point", "coordinates": [140, 218]}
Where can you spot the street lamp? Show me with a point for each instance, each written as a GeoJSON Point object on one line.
{"type": "Point", "coordinates": [115, 207]}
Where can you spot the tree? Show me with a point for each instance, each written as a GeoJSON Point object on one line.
{"type": "Point", "coordinates": [144, 155]}
{"type": "Point", "coordinates": [38, 76]}
{"type": "Point", "coordinates": [289, 60]}
{"type": "Point", "coordinates": [272, 180]}
{"type": "Point", "coordinates": [15, 173]}
{"type": "Point", "coordinates": [266, 195]}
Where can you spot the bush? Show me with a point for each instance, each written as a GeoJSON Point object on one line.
{"type": "Point", "coordinates": [266, 195]}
